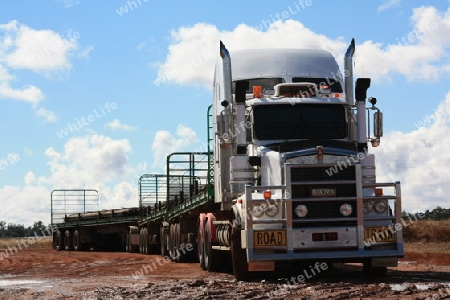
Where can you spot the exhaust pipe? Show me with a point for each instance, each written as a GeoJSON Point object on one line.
{"type": "Point", "coordinates": [226, 67]}
{"type": "Point", "coordinates": [348, 73]}
{"type": "Point", "coordinates": [241, 87]}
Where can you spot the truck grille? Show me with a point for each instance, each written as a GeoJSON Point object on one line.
{"type": "Point", "coordinates": [306, 180]}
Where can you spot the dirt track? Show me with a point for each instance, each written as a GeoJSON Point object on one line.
{"type": "Point", "coordinates": [48, 274]}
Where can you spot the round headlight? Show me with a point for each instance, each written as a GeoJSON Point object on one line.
{"type": "Point", "coordinates": [367, 208]}
{"type": "Point", "coordinates": [346, 209]}
{"type": "Point", "coordinates": [272, 210]}
{"type": "Point", "coordinates": [258, 211]}
{"type": "Point", "coordinates": [301, 210]}
{"type": "Point", "coordinates": [380, 206]}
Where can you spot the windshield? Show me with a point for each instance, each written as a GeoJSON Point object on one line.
{"type": "Point", "coordinates": [301, 121]}
{"type": "Point", "coordinates": [333, 84]}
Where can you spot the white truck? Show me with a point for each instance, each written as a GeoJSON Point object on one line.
{"type": "Point", "coordinates": [291, 162]}
{"type": "Point", "coordinates": [287, 176]}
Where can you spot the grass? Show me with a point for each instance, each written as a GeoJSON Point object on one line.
{"type": "Point", "coordinates": [427, 232]}
{"type": "Point", "coordinates": [43, 243]}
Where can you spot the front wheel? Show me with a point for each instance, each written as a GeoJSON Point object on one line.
{"type": "Point", "coordinates": [238, 255]}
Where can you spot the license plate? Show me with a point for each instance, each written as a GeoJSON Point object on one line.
{"type": "Point", "coordinates": [269, 238]}
{"type": "Point", "coordinates": [323, 192]}
{"type": "Point", "coordinates": [378, 234]}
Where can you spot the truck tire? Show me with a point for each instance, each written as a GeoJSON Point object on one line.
{"type": "Point", "coordinates": [238, 255]}
{"type": "Point", "coordinates": [141, 241]}
{"type": "Point", "coordinates": [67, 240]}
{"type": "Point", "coordinates": [183, 256]}
{"type": "Point", "coordinates": [212, 257]}
{"type": "Point", "coordinates": [163, 241]}
{"type": "Point", "coordinates": [172, 249]}
{"type": "Point", "coordinates": [201, 245]}
{"type": "Point", "coordinates": [59, 245]}
{"type": "Point", "coordinates": [145, 234]}
{"type": "Point", "coordinates": [127, 242]}
{"type": "Point", "coordinates": [76, 241]}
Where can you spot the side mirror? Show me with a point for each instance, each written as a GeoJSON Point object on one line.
{"type": "Point", "coordinates": [378, 124]}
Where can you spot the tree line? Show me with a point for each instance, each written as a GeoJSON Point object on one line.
{"type": "Point", "coordinates": [11, 230]}
{"type": "Point", "coordinates": [18, 230]}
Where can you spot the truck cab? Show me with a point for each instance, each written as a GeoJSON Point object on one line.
{"type": "Point", "coordinates": [292, 162]}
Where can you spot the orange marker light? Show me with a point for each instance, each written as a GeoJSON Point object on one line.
{"type": "Point", "coordinates": [267, 194]}
{"type": "Point", "coordinates": [378, 192]}
{"type": "Point", "coordinates": [257, 91]}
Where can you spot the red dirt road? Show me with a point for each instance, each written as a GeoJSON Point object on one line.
{"type": "Point", "coordinates": [49, 274]}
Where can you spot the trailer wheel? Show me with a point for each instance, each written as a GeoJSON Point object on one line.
{"type": "Point", "coordinates": [163, 239]}
{"type": "Point", "coordinates": [212, 257]}
{"type": "Point", "coordinates": [67, 245]}
{"type": "Point", "coordinates": [59, 241]}
{"type": "Point", "coordinates": [181, 255]}
{"type": "Point", "coordinates": [127, 242]}
{"type": "Point", "coordinates": [238, 255]}
{"type": "Point", "coordinates": [201, 245]}
{"type": "Point", "coordinates": [141, 241]}
{"type": "Point", "coordinates": [145, 234]}
{"type": "Point", "coordinates": [76, 241]}
{"type": "Point", "coordinates": [172, 250]}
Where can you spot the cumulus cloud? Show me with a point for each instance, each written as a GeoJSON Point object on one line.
{"type": "Point", "coordinates": [194, 50]}
{"type": "Point", "coordinates": [419, 160]}
{"type": "Point", "coordinates": [86, 159]}
{"type": "Point", "coordinates": [42, 51]}
{"type": "Point", "coordinates": [26, 93]}
{"type": "Point", "coordinates": [117, 125]}
{"type": "Point", "coordinates": [165, 143]}
{"type": "Point", "coordinates": [419, 54]}
{"type": "Point", "coordinates": [91, 162]}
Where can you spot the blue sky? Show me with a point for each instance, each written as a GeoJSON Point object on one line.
{"type": "Point", "coordinates": [96, 93]}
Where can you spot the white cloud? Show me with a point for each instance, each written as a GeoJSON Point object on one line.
{"type": "Point", "coordinates": [87, 159]}
{"type": "Point", "coordinates": [419, 159]}
{"type": "Point", "coordinates": [195, 49]}
{"type": "Point", "coordinates": [27, 93]}
{"type": "Point", "coordinates": [388, 4]}
{"type": "Point", "coordinates": [419, 54]}
{"type": "Point", "coordinates": [42, 51]}
{"type": "Point", "coordinates": [91, 162]}
{"type": "Point", "coordinates": [47, 115]}
{"type": "Point", "coordinates": [164, 143]}
{"type": "Point", "coordinates": [117, 125]}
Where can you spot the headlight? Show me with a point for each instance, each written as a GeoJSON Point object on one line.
{"type": "Point", "coordinates": [301, 210]}
{"type": "Point", "coordinates": [258, 211]}
{"type": "Point", "coordinates": [367, 208]}
{"type": "Point", "coordinates": [272, 210]}
{"type": "Point", "coordinates": [380, 206]}
{"type": "Point", "coordinates": [346, 209]}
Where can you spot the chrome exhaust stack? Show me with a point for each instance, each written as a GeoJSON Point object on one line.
{"type": "Point", "coordinates": [348, 73]}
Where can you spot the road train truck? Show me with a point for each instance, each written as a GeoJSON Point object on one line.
{"type": "Point", "coordinates": [292, 171]}
{"type": "Point", "coordinates": [288, 176]}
